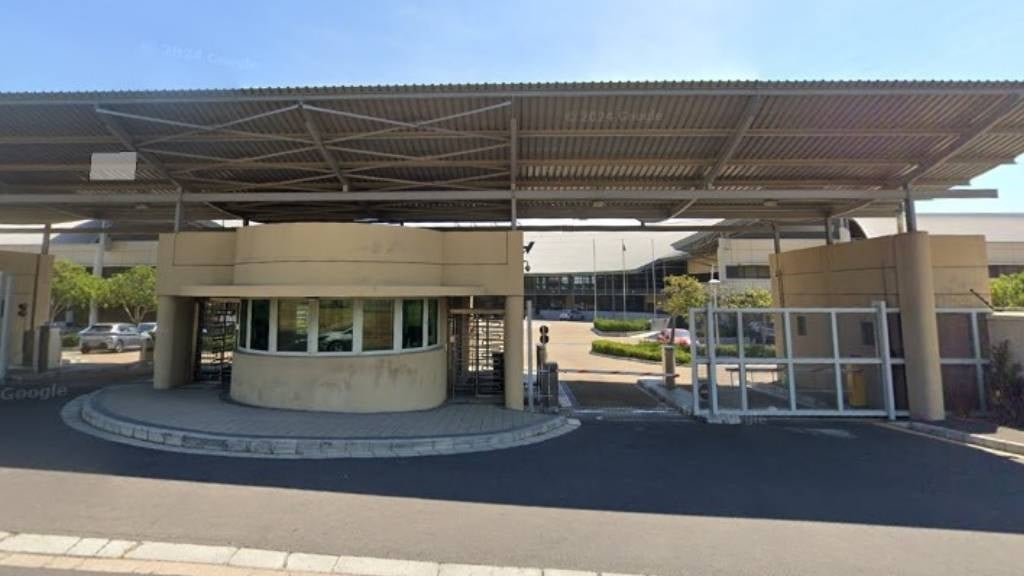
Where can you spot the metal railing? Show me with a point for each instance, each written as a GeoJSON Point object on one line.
{"type": "Point", "coordinates": [817, 361]}
{"type": "Point", "coordinates": [976, 358]}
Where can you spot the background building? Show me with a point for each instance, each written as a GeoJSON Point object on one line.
{"type": "Point", "coordinates": [629, 269]}
{"type": "Point", "coordinates": [741, 260]}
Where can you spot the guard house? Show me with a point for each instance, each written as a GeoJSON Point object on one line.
{"type": "Point", "coordinates": [349, 317]}
{"type": "Point", "coordinates": [350, 269]}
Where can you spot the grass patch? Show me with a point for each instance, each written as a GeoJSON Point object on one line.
{"type": "Point", "coordinates": [614, 325]}
{"type": "Point", "coordinates": [640, 350]}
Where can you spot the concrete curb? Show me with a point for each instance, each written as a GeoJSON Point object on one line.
{"type": "Point", "coordinates": [65, 552]}
{"type": "Point", "coordinates": [627, 358]}
{"type": "Point", "coordinates": [83, 415]}
{"type": "Point", "coordinates": [620, 334]}
{"type": "Point", "coordinates": [962, 437]}
{"type": "Point", "coordinates": [657, 389]}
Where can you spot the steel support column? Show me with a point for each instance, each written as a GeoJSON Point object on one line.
{"type": "Point", "coordinates": [513, 169]}
{"type": "Point", "coordinates": [179, 211]}
{"type": "Point", "coordinates": [777, 245]}
{"type": "Point", "coordinates": [97, 270]}
{"type": "Point", "coordinates": [909, 212]}
{"type": "Point", "coordinates": [6, 309]}
{"type": "Point", "coordinates": [47, 230]}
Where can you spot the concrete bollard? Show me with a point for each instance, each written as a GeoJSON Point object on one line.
{"type": "Point", "coordinates": [668, 363]}
{"type": "Point", "coordinates": [146, 351]}
{"type": "Point", "coordinates": [552, 384]}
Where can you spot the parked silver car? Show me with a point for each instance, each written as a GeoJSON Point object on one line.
{"type": "Point", "coordinates": [109, 336]}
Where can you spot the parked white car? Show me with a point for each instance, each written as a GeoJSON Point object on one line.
{"type": "Point", "coordinates": [571, 315]}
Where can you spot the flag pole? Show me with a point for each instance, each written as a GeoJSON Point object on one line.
{"type": "Point", "coordinates": [594, 246]}
{"type": "Point", "coordinates": [623, 278]}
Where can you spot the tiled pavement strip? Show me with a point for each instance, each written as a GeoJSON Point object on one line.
{"type": "Point", "coordinates": [73, 553]}
{"type": "Point", "coordinates": [199, 421]}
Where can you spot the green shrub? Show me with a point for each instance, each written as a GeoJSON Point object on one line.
{"type": "Point", "coordinates": [1008, 291]}
{"type": "Point", "coordinates": [752, 350]}
{"type": "Point", "coordinates": [1005, 386]}
{"type": "Point", "coordinates": [615, 325]}
{"type": "Point", "coordinates": [69, 340]}
{"type": "Point", "coordinates": [640, 350]}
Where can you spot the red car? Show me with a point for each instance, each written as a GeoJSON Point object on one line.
{"type": "Point", "coordinates": [681, 337]}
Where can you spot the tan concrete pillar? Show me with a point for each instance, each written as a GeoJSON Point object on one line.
{"type": "Point", "coordinates": [172, 362]}
{"type": "Point", "coordinates": [920, 326]}
{"type": "Point", "coordinates": [514, 352]}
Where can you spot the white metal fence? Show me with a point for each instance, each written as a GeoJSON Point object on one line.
{"type": "Point", "coordinates": [824, 361]}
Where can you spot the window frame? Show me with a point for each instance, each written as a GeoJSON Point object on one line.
{"type": "Point", "coordinates": [423, 323]}
{"type": "Point", "coordinates": [275, 304]}
{"type": "Point", "coordinates": [357, 334]}
{"type": "Point", "coordinates": [313, 330]}
{"type": "Point", "coordinates": [271, 321]}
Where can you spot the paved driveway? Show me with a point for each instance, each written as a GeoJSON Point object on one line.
{"type": "Point", "coordinates": [74, 356]}
{"type": "Point", "coordinates": [639, 497]}
{"type": "Point", "coordinates": [570, 347]}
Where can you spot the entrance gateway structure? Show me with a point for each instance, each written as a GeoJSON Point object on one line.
{"type": "Point", "coordinates": [347, 291]}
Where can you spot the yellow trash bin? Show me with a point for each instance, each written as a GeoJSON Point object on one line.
{"type": "Point", "coordinates": [856, 388]}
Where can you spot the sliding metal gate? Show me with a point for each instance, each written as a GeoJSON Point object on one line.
{"type": "Point", "coordinates": [824, 361]}
{"type": "Point", "coordinates": [476, 344]}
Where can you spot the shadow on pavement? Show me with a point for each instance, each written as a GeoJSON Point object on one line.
{"type": "Point", "coordinates": [816, 471]}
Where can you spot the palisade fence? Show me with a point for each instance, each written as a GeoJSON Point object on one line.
{"type": "Point", "coordinates": [826, 361]}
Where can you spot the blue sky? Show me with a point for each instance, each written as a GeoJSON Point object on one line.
{"type": "Point", "coordinates": [102, 45]}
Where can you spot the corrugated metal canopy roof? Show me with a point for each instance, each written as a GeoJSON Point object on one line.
{"type": "Point", "coordinates": [766, 150]}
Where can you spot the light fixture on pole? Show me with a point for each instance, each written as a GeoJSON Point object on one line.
{"type": "Point", "coordinates": [714, 282]}
{"type": "Point", "coordinates": [654, 287]}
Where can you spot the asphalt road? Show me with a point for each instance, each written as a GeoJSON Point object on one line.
{"type": "Point", "coordinates": [641, 497]}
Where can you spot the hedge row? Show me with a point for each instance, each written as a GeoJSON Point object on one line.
{"type": "Point", "coordinates": [640, 350]}
{"type": "Point", "coordinates": [752, 350]}
{"type": "Point", "coordinates": [618, 325]}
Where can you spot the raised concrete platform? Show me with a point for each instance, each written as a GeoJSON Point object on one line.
{"type": "Point", "coordinates": [201, 420]}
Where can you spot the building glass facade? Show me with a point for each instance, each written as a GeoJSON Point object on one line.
{"type": "Point", "coordinates": [553, 293]}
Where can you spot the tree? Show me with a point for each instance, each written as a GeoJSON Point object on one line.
{"type": "Point", "coordinates": [1008, 291]}
{"type": "Point", "coordinates": [681, 294]}
{"type": "Point", "coordinates": [72, 286]}
{"type": "Point", "coordinates": [749, 298]}
{"type": "Point", "coordinates": [134, 291]}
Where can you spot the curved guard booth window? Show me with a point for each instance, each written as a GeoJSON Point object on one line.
{"type": "Point", "coordinates": [378, 325]}
{"type": "Point", "coordinates": [260, 325]}
{"type": "Point", "coordinates": [336, 326]}
{"type": "Point", "coordinates": [314, 326]}
{"type": "Point", "coordinates": [292, 325]}
{"type": "Point", "coordinates": [412, 324]}
{"type": "Point", "coordinates": [431, 322]}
